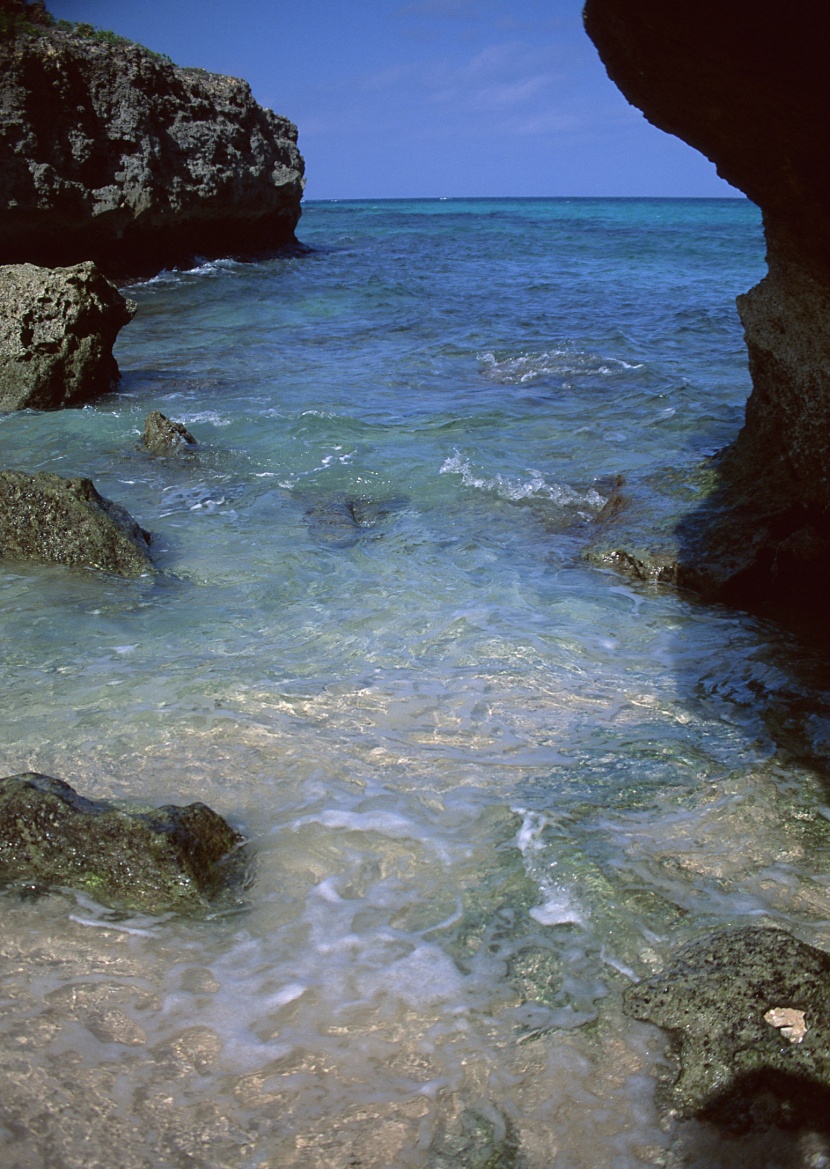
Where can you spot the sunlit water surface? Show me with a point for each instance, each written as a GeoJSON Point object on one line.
{"type": "Point", "coordinates": [486, 784]}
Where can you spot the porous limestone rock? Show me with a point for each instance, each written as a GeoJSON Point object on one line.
{"type": "Point", "coordinates": [57, 330]}
{"type": "Point", "coordinates": [110, 152]}
{"type": "Point", "coordinates": [725, 1000]}
{"type": "Point", "coordinates": [750, 94]}
{"type": "Point", "coordinates": [127, 855]}
{"type": "Point", "coordinates": [47, 518]}
{"type": "Point", "coordinates": [163, 436]}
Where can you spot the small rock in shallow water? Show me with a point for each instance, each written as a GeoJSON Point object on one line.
{"type": "Point", "coordinates": [747, 1009]}
{"type": "Point", "coordinates": [161, 435]}
{"type": "Point", "coordinates": [47, 518]}
{"type": "Point", "coordinates": [128, 856]}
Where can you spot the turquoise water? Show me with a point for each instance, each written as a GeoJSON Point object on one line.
{"type": "Point", "coordinates": [487, 785]}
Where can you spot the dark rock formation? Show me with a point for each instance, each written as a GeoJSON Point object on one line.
{"type": "Point", "coordinates": [162, 437]}
{"type": "Point", "coordinates": [747, 1011]}
{"type": "Point", "coordinates": [57, 330]}
{"type": "Point", "coordinates": [129, 856]}
{"type": "Point", "coordinates": [48, 518]}
{"type": "Point", "coordinates": [749, 92]}
{"type": "Point", "coordinates": [109, 152]}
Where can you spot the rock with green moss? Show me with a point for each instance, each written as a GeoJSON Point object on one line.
{"type": "Point", "coordinates": [748, 1012]}
{"type": "Point", "coordinates": [47, 518]}
{"type": "Point", "coordinates": [128, 856]}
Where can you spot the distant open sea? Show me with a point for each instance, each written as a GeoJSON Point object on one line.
{"type": "Point", "coordinates": [487, 784]}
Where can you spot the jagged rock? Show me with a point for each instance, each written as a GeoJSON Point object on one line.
{"type": "Point", "coordinates": [127, 855]}
{"type": "Point", "coordinates": [750, 94]}
{"type": "Point", "coordinates": [48, 518]}
{"type": "Point", "coordinates": [163, 436]}
{"type": "Point", "coordinates": [57, 330]}
{"type": "Point", "coordinates": [726, 1000]}
{"type": "Point", "coordinates": [110, 152]}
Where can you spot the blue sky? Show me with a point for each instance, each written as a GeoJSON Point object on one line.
{"type": "Point", "coordinates": [420, 98]}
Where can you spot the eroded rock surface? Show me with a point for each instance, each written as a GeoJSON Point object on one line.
{"type": "Point", "coordinates": [47, 518]}
{"type": "Point", "coordinates": [111, 153]}
{"type": "Point", "coordinates": [129, 856]}
{"type": "Point", "coordinates": [57, 330]}
{"type": "Point", "coordinates": [750, 94]}
{"type": "Point", "coordinates": [726, 1000]}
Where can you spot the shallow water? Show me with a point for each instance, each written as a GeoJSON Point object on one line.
{"type": "Point", "coordinates": [486, 784]}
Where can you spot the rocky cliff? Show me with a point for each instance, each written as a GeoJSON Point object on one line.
{"type": "Point", "coordinates": [747, 89]}
{"type": "Point", "coordinates": [110, 153]}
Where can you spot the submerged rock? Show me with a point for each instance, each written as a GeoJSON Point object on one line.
{"type": "Point", "coordinates": [162, 436]}
{"type": "Point", "coordinates": [128, 856]}
{"type": "Point", "coordinates": [57, 330]}
{"type": "Point", "coordinates": [46, 518]}
{"type": "Point", "coordinates": [637, 532]}
{"type": "Point", "coordinates": [110, 152]}
{"type": "Point", "coordinates": [747, 1011]}
{"type": "Point", "coordinates": [750, 94]}
{"type": "Point", "coordinates": [339, 521]}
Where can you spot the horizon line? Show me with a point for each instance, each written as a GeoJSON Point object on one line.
{"type": "Point", "coordinates": [737, 197]}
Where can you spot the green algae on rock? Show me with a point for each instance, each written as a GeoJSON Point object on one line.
{"type": "Point", "coordinates": [129, 856]}
{"type": "Point", "coordinates": [47, 518]}
{"type": "Point", "coordinates": [747, 1009]}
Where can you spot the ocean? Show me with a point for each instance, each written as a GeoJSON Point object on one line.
{"type": "Point", "coordinates": [487, 784]}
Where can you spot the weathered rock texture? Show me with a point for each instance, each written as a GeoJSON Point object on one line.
{"type": "Point", "coordinates": [749, 92]}
{"type": "Point", "coordinates": [130, 856]}
{"type": "Point", "coordinates": [163, 436]}
{"type": "Point", "coordinates": [47, 518]}
{"type": "Point", "coordinates": [109, 152]}
{"type": "Point", "coordinates": [57, 330]}
{"type": "Point", "coordinates": [725, 1000]}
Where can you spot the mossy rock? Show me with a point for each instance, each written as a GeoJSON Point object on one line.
{"type": "Point", "coordinates": [46, 518]}
{"type": "Point", "coordinates": [748, 1012]}
{"type": "Point", "coordinates": [129, 856]}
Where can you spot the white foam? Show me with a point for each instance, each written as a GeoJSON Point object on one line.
{"type": "Point", "coordinates": [423, 978]}
{"type": "Point", "coordinates": [558, 909]}
{"type": "Point", "coordinates": [284, 996]}
{"type": "Point", "coordinates": [558, 906]}
{"type": "Point", "coordinates": [386, 823]}
{"type": "Point", "coordinates": [530, 367]}
{"type": "Point", "coordinates": [514, 488]}
{"type": "Point", "coordinates": [207, 416]}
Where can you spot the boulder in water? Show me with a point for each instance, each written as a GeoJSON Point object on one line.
{"type": "Point", "coordinates": [128, 856]}
{"type": "Point", "coordinates": [46, 518]}
{"type": "Point", "coordinates": [57, 330]}
{"type": "Point", "coordinates": [162, 436]}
